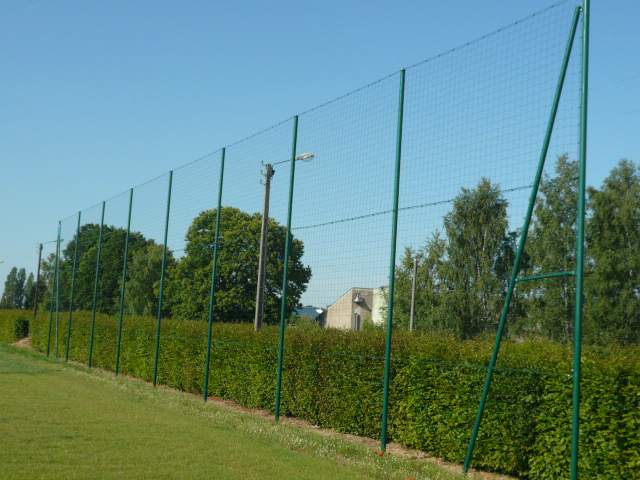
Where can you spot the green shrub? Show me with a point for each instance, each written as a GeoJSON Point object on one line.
{"type": "Point", "coordinates": [334, 379]}
{"type": "Point", "coordinates": [14, 325]}
{"type": "Point", "coordinates": [610, 419]}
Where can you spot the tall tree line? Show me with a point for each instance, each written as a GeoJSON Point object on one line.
{"type": "Point", "coordinates": [187, 279]}
{"type": "Point", "coordinates": [20, 289]}
{"type": "Point", "coordinates": [463, 272]}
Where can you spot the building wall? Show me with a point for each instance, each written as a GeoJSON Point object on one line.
{"type": "Point", "coordinates": [371, 308]}
{"type": "Point", "coordinates": [342, 314]}
{"type": "Point", "coordinates": [378, 310]}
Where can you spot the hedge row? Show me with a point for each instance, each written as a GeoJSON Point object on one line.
{"type": "Point", "coordinates": [334, 379]}
{"type": "Point", "coordinates": [14, 325]}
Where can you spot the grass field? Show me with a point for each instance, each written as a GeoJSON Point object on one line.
{"type": "Point", "coordinates": [66, 421]}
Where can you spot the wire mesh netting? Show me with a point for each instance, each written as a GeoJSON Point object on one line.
{"type": "Point", "coordinates": [473, 127]}
{"type": "Point", "coordinates": [472, 124]}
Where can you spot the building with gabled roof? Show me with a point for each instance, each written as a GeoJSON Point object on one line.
{"type": "Point", "coordinates": [356, 307]}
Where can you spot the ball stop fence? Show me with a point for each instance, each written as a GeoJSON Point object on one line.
{"type": "Point", "coordinates": [414, 204]}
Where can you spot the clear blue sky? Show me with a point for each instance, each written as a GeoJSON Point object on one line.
{"type": "Point", "coordinates": [97, 97]}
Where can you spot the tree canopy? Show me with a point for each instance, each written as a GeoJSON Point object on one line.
{"type": "Point", "coordinates": [613, 235]}
{"type": "Point", "coordinates": [14, 294]}
{"type": "Point", "coordinates": [111, 266]}
{"type": "Point", "coordinates": [463, 275]}
{"type": "Point", "coordinates": [552, 245]}
{"type": "Point", "coordinates": [236, 280]}
{"type": "Point", "coordinates": [188, 279]}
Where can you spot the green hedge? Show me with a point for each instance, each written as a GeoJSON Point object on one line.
{"type": "Point", "coordinates": [14, 325]}
{"type": "Point", "coordinates": [334, 379]}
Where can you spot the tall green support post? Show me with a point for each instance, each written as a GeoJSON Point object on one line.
{"type": "Point", "coordinates": [73, 286]}
{"type": "Point", "coordinates": [212, 295]}
{"type": "Point", "coordinates": [58, 287]}
{"type": "Point", "coordinates": [95, 289]}
{"type": "Point", "coordinates": [125, 263]}
{"type": "Point", "coordinates": [523, 238]}
{"type": "Point", "coordinates": [392, 264]}
{"type": "Point", "coordinates": [161, 294]}
{"type": "Point", "coordinates": [577, 361]}
{"type": "Point", "coordinates": [285, 280]}
{"type": "Point", "coordinates": [53, 290]}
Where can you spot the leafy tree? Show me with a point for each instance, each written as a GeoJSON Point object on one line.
{"type": "Point", "coordinates": [111, 266]}
{"type": "Point", "coordinates": [47, 271]}
{"type": "Point", "coordinates": [30, 292]}
{"type": "Point", "coordinates": [429, 286]}
{"type": "Point", "coordinates": [480, 255]}
{"type": "Point", "coordinates": [463, 278]}
{"type": "Point", "coordinates": [552, 246]}
{"type": "Point", "coordinates": [14, 289]}
{"type": "Point", "coordinates": [613, 234]}
{"type": "Point", "coordinates": [21, 288]}
{"type": "Point", "coordinates": [190, 280]}
{"type": "Point", "coordinates": [143, 286]}
{"type": "Point", "coordinates": [8, 295]}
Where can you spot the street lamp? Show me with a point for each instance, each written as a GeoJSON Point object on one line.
{"type": "Point", "coordinates": [262, 261]}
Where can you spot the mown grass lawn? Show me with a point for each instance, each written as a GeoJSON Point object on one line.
{"type": "Point", "coordinates": [66, 421]}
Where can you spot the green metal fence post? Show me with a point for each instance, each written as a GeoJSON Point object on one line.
{"type": "Point", "coordinates": [58, 287]}
{"type": "Point", "coordinates": [95, 289]}
{"type": "Point", "coordinates": [285, 280]}
{"type": "Point", "coordinates": [53, 290]}
{"type": "Point", "coordinates": [523, 239]}
{"type": "Point", "coordinates": [577, 361]}
{"type": "Point", "coordinates": [161, 294]}
{"type": "Point", "coordinates": [212, 295]}
{"type": "Point", "coordinates": [392, 264]}
{"type": "Point", "coordinates": [73, 287]}
{"type": "Point", "coordinates": [125, 263]}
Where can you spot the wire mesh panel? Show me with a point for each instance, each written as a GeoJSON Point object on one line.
{"type": "Point", "coordinates": [341, 215]}
{"type": "Point", "coordinates": [476, 120]}
{"type": "Point", "coordinates": [243, 201]}
{"type": "Point", "coordinates": [68, 232]}
{"type": "Point", "coordinates": [109, 286]}
{"type": "Point", "coordinates": [83, 285]}
{"type": "Point", "coordinates": [475, 124]}
{"type": "Point", "coordinates": [145, 249]}
{"type": "Point", "coordinates": [46, 299]}
{"type": "Point", "coordinates": [449, 149]}
{"type": "Point", "coordinates": [343, 201]}
{"type": "Point", "coordinates": [195, 190]}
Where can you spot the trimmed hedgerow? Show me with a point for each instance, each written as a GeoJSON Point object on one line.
{"type": "Point", "coordinates": [334, 379]}
{"type": "Point", "coordinates": [610, 419]}
{"type": "Point", "coordinates": [438, 395]}
{"type": "Point", "coordinates": [14, 325]}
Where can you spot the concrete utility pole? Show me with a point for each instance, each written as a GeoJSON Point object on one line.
{"type": "Point", "coordinates": [262, 262]}
{"type": "Point", "coordinates": [412, 320]}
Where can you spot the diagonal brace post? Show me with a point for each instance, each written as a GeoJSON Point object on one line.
{"type": "Point", "coordinates": [523, 238]}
